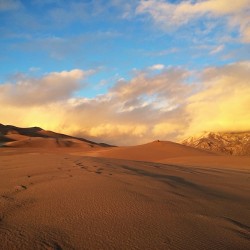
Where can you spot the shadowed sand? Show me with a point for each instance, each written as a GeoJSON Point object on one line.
{"type": "Point", "coordinates": [160, 195]}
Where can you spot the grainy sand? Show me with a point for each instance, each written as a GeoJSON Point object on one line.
{"type": "Point", "coordinates": [155, 196]}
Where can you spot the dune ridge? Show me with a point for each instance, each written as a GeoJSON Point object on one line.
{"type": "Point", "coordinates": [35, 137]}
{"type": "Point", "coordinates": [153, 151]}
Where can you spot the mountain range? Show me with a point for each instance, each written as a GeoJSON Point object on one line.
{"type": "Point", "coordinates": [230, 143]}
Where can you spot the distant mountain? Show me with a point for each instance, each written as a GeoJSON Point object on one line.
{"type": "Point", "coordinates": [11, 136]}
{"type": "Point", "coordinates": [231, 143]}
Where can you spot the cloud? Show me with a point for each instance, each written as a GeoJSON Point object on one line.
{"type": "Point", "coordinates": [121, 129]}
{"type": "Point", "coordinates": [163, 105]}
{"type": "Point", "coordinates": [171, 15]}
{"type": "Point", "coordinates": [52, 87]}
{"type": "Point", "coordinates": [157, 67]}
{"type": "Point", "coordinates": [223, 103]}
{"type": "Point", "coordinates": [164, 129]}
{"type": "Point", "coordinates": [167, 85]}
{"type": "Point", "coordinates": [242, 21]}
{"type": "Point", "coordinates": [217, 49]}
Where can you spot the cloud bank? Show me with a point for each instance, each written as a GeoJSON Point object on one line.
{"type": "Point", "coordinates": [167, 103]}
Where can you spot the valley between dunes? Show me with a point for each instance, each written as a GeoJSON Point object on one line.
{"type": "Point", "coordinates": [160, 195]}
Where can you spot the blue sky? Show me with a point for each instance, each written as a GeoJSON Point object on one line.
{"type": "Point", "coordinates": [105, 35]}
{"type": "Point", "coordinates": [118, 41]}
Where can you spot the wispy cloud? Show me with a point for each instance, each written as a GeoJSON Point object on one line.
{"type": "Point", "coordinates": [169, 16]}
{"type": "Point", "coordinates": [217, 49]}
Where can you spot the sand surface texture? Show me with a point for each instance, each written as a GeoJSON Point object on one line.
{"type": "Point", "coordinates": [155, 196]}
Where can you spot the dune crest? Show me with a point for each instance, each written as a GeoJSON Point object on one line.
{"type": "Point", "coordinates": [153, 151]}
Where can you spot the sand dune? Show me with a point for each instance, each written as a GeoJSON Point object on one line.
{"type": "Point", "coordinates": [212, 162]}
{"type": "Point", "coordinates": [154, 151]}
{"type": "Point", "coordinates": [35, 137]}
{"type": "Point", "coordinates": [49, 143]}
{"type": "Point", "coordinates": [160, 195]}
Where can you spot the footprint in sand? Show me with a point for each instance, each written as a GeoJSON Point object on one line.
{"type": "Point", "coordinates": [99, 171]}
{"type": "Point", "coordinates": [20, 187]}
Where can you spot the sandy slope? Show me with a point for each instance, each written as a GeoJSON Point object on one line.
{"type": "Point", "coordinates": [35, 137]}
{"type": "Point", "coordinates": [61, 199]}
{"type": "Point", "coordinates": [154, 151]}
{"type": "Point", "coordinates": [53, 143]}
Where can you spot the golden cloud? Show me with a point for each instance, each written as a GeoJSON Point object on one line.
{"type": "Point", "coordinates": [51, 87]}
{"type": "Point", "coordinates": [148, 107]}
{"type": "Point", "coordinates": [223, 104]}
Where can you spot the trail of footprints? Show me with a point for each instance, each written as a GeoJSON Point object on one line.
{"type": "Point", "coordinates": [9, 201]}
{"type": "Point", "coordinates": [73, 166]}
{"type": "Point", "coordinates": [92, 168]}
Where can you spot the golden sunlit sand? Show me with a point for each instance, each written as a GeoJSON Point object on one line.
{"type": "Point", "coordinates": [160, 195]}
